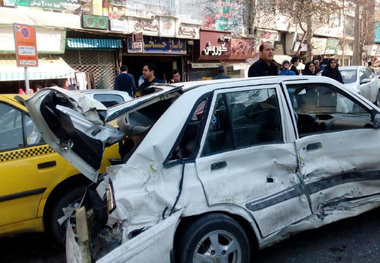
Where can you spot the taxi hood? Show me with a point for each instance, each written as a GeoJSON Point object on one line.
{"type": "Point", "coordinates": [74, 126]}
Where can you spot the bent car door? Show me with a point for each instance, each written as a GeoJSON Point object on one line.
{"type": "Point", "coordinates": [338, 150]}
{"type": "Point", "coordinates": [74, 126]}
{"type": "Point", "coordinates": [248, 159]}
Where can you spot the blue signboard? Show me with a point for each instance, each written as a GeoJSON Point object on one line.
{"type": "Point", "coordinates": [377, 32]}
{"type": "Point", "coordinates": [158, 45]}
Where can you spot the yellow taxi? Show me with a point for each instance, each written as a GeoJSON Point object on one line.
{"type": "Point", "coordinates": [36, 182]}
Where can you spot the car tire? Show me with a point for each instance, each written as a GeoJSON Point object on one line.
{"type": "Point", "coordinates": [70, 198]}
{"type": "Point", "coordinates": [213, 238]}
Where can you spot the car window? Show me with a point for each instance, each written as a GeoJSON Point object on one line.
{"type": "Point", "coordinates": [320, 108]}
{"type": "Point", "coordinates": [109, 99]}
{"type": "Point", "coordinates": [349, 76]}
{"type": "Point", "coordinates": [243, 119]}
{"type": "Point", "coordinates": [11, 128]}
{"type": "Point", "coordinates": [192, 132]}
{"type": "Point", "coordinates": [369, 73]}
{"type": "Point", "coordinates": [364, 74]}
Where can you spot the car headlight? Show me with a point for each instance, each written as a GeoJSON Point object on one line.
{"type": "Point", "coordinates": [111, 204]}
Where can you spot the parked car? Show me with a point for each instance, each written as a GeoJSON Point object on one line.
{"type": "Point", "coordinates": [107, 97]}
{"type": "Point", "coordinates": [225, 166]}
{"type": "Point", "coordinates": [363, 81]}
{"type": "Point", "coordinates": [36, 181]}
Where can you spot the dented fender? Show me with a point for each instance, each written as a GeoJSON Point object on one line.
{"type": "Point", "coordinates": [152, 244]}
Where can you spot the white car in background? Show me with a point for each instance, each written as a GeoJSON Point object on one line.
{"type": "Point", "coordinates": [363, 81]}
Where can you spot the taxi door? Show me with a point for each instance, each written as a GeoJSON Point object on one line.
{"type": "Point", "coordinates": [27, 166]}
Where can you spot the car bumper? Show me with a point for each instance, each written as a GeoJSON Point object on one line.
{"type": "Point", "coordinates": [152, 244]}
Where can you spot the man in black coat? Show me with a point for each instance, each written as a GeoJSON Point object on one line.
{"type": "Point", "coordinates": [264, 66]}
{"type": "Point", "coordinates": [125, 81]}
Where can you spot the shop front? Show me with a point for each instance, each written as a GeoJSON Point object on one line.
{"type": "Point", "coordinates": [164, 41]}
{"type": "Point", "coordinates": [52, 68]}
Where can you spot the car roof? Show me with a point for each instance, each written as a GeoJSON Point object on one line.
{"type": "Point", "coordinates": [350, 67]}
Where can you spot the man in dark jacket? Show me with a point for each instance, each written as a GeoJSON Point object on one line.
{"type": "Point", "coordinates": [221, 73]}
{"type": "Point", "coordinates": [264, 66]}
{"type": "Point", "coordinates": [148, 73]}
{"type": "Point", "coordinates": [125, 81]}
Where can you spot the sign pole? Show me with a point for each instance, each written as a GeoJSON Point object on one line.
{"type": "Point", "coordinates": [27, 89]}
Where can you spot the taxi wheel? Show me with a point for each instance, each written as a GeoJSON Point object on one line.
{"type": "Point", "coordinates": [71, 198]}
{"type": "Point", "coordinates": [213, 238]}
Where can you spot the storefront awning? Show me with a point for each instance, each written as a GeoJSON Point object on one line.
{"type": "Point", "coordinates": [47, 69]}
{"type": "Point", "coordinates": [93, 43]}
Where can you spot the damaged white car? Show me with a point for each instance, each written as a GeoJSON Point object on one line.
{"type": "Point", "coordinates": [213, 170]}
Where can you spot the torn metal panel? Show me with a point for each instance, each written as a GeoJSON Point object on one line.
{"type": "Point", "coordinates": [149, 246]}
{"type": "Point", "coordinates": [73, 125]}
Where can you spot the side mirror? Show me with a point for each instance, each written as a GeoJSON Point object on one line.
{"type": "Point", "coordinates": [365, 81]}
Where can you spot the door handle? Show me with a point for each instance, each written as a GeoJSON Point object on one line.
{"type": "Point", "coordinates": [46, 164]}
{"type": "Point", "coordinates": [218, 165]}
{"type": "Point", "coordinates": [313, 146]}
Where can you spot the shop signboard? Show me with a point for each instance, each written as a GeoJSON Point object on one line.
{"type": "Point", "coordinates": [214, 45]}
{"type": "Point", "coordinates": [331, 46]}
{"type": "Point", "coordinates": [69, 5]}
{"type": "Point", "coordinates": [243, 48]}
{"type": "Point", "coordinates": [158, 45]}
{"type": "Point", "coordinates": [94, 22]}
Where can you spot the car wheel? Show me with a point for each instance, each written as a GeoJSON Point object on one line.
{"type": "Point", "coordinates": [70, 198]}
{"type": "Point", "coordinates": [213, 238]}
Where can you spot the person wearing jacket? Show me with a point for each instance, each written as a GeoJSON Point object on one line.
{"type": "Point", "coordinates": [286, 69]}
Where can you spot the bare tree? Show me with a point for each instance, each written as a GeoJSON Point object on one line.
{"type": "Point", "coordinates": [308, 15]}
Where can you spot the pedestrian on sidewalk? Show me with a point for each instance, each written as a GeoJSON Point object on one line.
{"type": "Point", "coordinates": [264, 66]}
{"type": "Point", "coordinates": [125, 82]}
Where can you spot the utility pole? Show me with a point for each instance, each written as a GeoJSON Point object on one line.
{"type": "Point", "coordinates": [357, 55]}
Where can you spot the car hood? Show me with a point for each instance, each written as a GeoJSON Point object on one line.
{"type": "Point", "coordinates": [74, 125]}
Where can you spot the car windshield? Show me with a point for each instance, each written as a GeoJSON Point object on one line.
{"type": "Point", "coordinates": [348, 75]}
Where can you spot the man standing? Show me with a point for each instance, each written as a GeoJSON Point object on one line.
{"type": "Point", "coordinates": [149, 78]}
{"type": "Point", "coordinates": [295, 62]}
{"type": "Point", "coordinates": [125, 81]}
{"type": "Point", "coordinates": [222, 74]}
{"type": "Point", "coordinates": [176, 76]}
{"type": "Point", "coordinates": [264, 66]}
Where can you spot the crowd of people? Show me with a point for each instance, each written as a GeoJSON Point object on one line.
{"type": "Point", "coordinates": [265, 66]}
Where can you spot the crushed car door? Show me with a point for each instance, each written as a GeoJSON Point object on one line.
{"type": "Point", "coordinates": [247, 158]}
{"type": "Point", "coordinates": [73, 125]}
{"type": "Point", "coordinates": [338, 150]}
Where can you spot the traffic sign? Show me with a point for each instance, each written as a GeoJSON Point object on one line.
{"type": "Point", "coordinates": [25, 45]}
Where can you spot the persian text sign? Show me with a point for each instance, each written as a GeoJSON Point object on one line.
{"type": "Point", "coordinates": [25, 45]}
